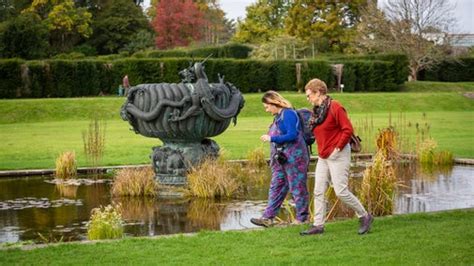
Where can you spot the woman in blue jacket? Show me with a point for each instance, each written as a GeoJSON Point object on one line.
{"type": "Point", "coordinates": [289, 159]}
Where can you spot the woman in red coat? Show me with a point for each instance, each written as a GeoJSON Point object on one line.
{"type": "Point", "coordinates": [332, 129]}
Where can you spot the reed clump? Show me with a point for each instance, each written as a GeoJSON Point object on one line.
{"type": "Point", "coordinates": [429, 157]}
{"type": "Point", "coordinates": [379, 183]}
{"type": "Point", "coordinates": [94, 141]}
{"type": "Point", "coordinates": [213, 178]}
{"type": "Point", "coordinates": [66, 165]}
{"type": "Point", "coordinates": [135, 182]}
{"type": "Point", "coordinates": [105, 223]}
{"type": "Point", "coordinates": [216, 178]}
{"type": "Point", "coordinates": [256, 160]}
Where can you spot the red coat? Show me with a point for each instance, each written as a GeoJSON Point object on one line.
{"type": "Point", "coordinates": [335, 131]}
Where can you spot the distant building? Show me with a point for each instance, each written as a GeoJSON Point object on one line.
{"type": "Point", "coordinates": [462, 40]}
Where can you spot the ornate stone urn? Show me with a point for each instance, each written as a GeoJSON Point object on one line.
{"type": "Point", "coordinates": [183, 116]}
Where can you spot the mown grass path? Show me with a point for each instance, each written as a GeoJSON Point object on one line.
{"type": "Point", "coordinates": [443, 238]}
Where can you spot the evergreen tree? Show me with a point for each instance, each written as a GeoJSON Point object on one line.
{"type": "Point", "coordinates": [116, 23]}
{"type": "Point", "coordinates": [24, 36]}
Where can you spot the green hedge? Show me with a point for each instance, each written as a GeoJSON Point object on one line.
{"type": "Point", "coordinates": [399, 61]}
{"type": "Point", "coordinates": [234, 50]}
{"type": "Point", "coordinates": [11, 81]}
{"type": "Point", "coordinates": [461, 69]}
{"type": "Point", "coordinates": [74, 78]}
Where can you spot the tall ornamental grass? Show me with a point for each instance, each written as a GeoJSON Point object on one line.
{"type": "Point", "coordinates": [94, 141]}
{"type": "Point", "coordinates": [66, 165]}
{"type": "Point", "coordinates": [216, 178]}
{"type": "Point", "coordinates": [135, 182]}
{"type": "Point", "coordinates": [105, 223]}
{"type": "Point", "coordinates": [213, 178]}
{"type": "Point", "coordinates": [379, 182]}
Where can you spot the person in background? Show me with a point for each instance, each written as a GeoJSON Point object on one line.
{"type": "Point", "coordinates": [289, 159]}
{"type": "Point", "coordinates": [125, 85]}
{"type": "Point", "coordinates": [332, 129]}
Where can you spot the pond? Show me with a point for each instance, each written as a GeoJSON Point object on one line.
{"type": "Point", "coordinates": [30, 207]}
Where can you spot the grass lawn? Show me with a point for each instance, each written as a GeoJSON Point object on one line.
{"type": "Point", "coordinates": [442, 238]}
{"type": "Point", "coordinates": [35, 131]}
{"type": "Point", "coordinates": [433, 86]}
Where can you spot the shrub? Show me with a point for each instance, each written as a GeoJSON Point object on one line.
{"type": "Point", "coordinates": [135, 182]}
{"type": "Point", "coordinates": [105, 223]}
{"type": "Point", "coordinates": [66, 165]}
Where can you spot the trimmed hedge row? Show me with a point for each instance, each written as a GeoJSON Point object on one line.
{"type": "Point", "coordinates": [73, 78]}
{"type": "Point", "coordinates": [399, 61]}
{"type": "Point", "coordinates": [233, 50]}
{"type": "Point", "coordinates": [451, 71]}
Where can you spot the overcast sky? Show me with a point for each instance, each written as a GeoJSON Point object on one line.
{"type": "Point", "coordinates": [464, 12]}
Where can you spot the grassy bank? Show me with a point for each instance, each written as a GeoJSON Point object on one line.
{"type": "Point", "coordinates": [34, 132]}
{"type": "Point", "coordinates": [436, 86]}
{"type": "Point", "coordinates": [444, 238]}
{"type": "Point", "coordinates": [72, 109]}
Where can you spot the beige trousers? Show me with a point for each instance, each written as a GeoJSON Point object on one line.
{"type": "Point", "coordinates": [336, 169]}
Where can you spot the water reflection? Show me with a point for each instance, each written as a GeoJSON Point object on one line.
{"type": "Point", "coordinates": [31, 206]}
{"type": "Point", "coordinates": [440, 190]}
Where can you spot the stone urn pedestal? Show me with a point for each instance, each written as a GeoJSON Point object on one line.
{"type": "Point", "coordinates": [183, 116]}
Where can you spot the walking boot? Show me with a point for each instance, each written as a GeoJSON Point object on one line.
{"type": "Point", "coordinates": [265, 222]}
{"type": "Point", "coordinates": [365, 223]}
{"type": "Point", "coordinates": [313, 230]}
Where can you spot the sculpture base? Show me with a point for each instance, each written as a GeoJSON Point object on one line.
{"type": "Point", "coordinates": [172, 161]}
{"type": "Point", "coordinates": [170, 180]}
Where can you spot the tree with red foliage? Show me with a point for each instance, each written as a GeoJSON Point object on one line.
{"type": "Point", "coordinates": [177, 23]}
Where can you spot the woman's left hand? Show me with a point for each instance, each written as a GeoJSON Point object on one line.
{"type": "Point", "coordinates": [265, 138]}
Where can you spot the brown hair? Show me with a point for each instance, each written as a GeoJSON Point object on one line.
{"type": "Point", "coordinates": [316, 85]}
{"type": "Point", "coordinates": [274, 98]}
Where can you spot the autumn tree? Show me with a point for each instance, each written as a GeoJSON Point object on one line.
{"type": "Point", "coordinates": [177, 23]}
{"type": "Point", "coordinates": [416, 28]}
{"type": "Point", "coordinates": [328, 24]}
{"type": "Point", "coordinates": [264, 20]}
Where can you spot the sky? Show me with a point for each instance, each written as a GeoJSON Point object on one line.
{"type": "Point", "coordinates": [464, 12]}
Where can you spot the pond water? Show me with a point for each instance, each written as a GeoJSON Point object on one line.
{"type": "Point", "coordinates": [30, 206]}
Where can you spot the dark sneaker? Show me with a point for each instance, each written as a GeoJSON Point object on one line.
{"type": "Point", "coordinates": [365, 223]}
{"type": "Point", "coordinates": [313, 230]}
{"type": "Point", "coordinates": [265, 222]}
